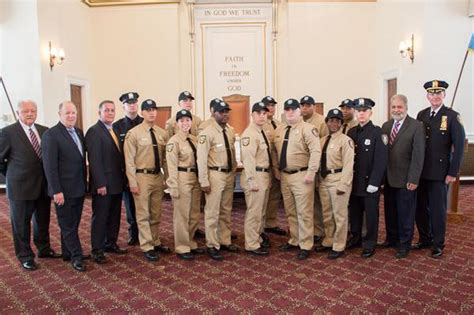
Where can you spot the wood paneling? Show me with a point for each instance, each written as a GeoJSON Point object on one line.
{"type": "Point", "coordinates": [162, 115]}
{"type": "Point", "coordinates": [240, 114]}
{"type": "Point", "coordinates": [76, 98]}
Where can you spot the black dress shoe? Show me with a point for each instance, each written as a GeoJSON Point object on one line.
{"type": "Point", "coordinates": [258, 252]}
{"type": "Point", "coordinates": [199, 234]}
{"type": "Point", "coordinates": [303, 254]}
{"type": "Point", "coordinates": [214, 253]}
{"type": "Point", "coordinates": [275, 230]}
{"type": "Point", "coordinates": [198, 251]}
{"type": "Point", "coordinates": [49, 254]}
{"type": "Point", "coordinates": [401, 253]}
{"type": "Point", "coordinates": [335, 254]}
{"type": "Point", "coordinates": [367, 252]}
{"type": "Point", "coordinates": [353, 243]}
{"type": "Point", "coordinates": [99, 258]}
{"type": "Point", "coordinates": [386, 244]}
{"type": "Point", "coordinates": [116, 250]}
{"type": "Point", "coordinates": [287, 247]}
{"type": "Point", "coordinates": [84, 257]}
{"type": "Point", "coordinates": [321, 248]}
{"type": "Point", "coordinates": [162, 249]}
{"type": "Point", "coordinates": [78, 265]}
{"type": "Point", "coordinates": [265, 244]}
{"type": "Point", "coordinates": [436, 252]}
{"type": "Point", "coordinates": [230, 248]}
{"type": "Point", "coordinates": [233, 237]}
{"type": "Point", "coordinates": [151, 255]}
{"type": "Point", "coordinates": [29, 265]}
{"type": "Point", "coordinates": [317, 239]}
{"type": "Point", "coordinates": [421, 245]}
{"type": "Point", "coordinates": [132, 241]}
{"type": "Point", "coordinates": [186, 256]}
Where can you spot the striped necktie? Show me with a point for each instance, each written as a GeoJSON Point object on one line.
{"type": "Point", "coordinates": [35, 143]}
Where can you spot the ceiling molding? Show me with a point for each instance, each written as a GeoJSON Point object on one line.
{"type": "Point", "coordinates": [105, 3]}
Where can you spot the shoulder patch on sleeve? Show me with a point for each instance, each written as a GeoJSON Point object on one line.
{"type": "Point", "coordinates": [169, 147]}
{"type": "Point", "coordinates": [202, 139]}
{"type": "Point", "coordinates": [245, 141]}
{"type": "Point", "coordinates": [315, 132]}
{"type": "Point", "coordinates": [351, 143]}
{"type": "Point", "coordinates": [385, 139]}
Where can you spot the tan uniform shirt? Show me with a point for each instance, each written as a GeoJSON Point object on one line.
{"type": "Point", "coordinates": [317, 120]}
{"type": "Point", "coordinates": [204, 124]}
{"type": "Point", "coordinates": [172, 127]}
{"type": "Point", "coordinates": [138, 150]}
{"type": "Point", "coordinates": [304, 148]}
{"type": "Point", "coordinates": [340, 154]}
{"type": "Point", "coordinates": [348, 125]}
{"type": "Point", "coordinates": [254, 151]}
{"type": "Point", "coordinates": [269, 130]}
{"type": "Point", "coordinates": [179, 154]}
{"type": "Point", "coordinates": [211, 150]}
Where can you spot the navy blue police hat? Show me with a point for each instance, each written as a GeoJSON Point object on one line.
{"type": "Point", "coordinates": [435, 86]}
{"type": "Point", "coordinates": [307, 100]}
{"type": "Point", "coordinates": [259, 106]}
{"type": "Point", "coordinates": [183, 113]}
{"type": "Point", "coordinates": [334, 113]}
{"type": "Point", "coordinates": [348, 103]}
{"type": "Point", "coordinates": [360, 103]}
{"type": "Point", "coordinates": [148, 104]}
{"type": "Point", "coordinates": [291, 104]}
{"type": "Point", "coordinates": [130, 97]}
{"type": "Point", "coordinates": [185, 95]}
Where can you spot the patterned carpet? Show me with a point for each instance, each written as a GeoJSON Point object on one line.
{"type": "Point", "coordinates": [242, 283]}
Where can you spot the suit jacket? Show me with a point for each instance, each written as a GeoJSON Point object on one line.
{"type": "Point", "coordinates": [106, 163]}
{"type": "Point", "coordinates": [370, 160]}
{"type": "Point", "coordinates": [64, 166]}
{"type": "Point", "coordinates": [23, 168]}
{"type": "Point", "coordinates": [406, 153]}
{"type": "Point", "coordinates": [443, 132]}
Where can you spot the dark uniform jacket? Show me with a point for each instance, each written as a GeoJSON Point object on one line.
{"type": "Point", "coordinates": [442, 132]}
{"type": "Point", "coordinates": [106, 162]}
{"type": "Point", "coordinates": [370, 159]}
{"type": "Point", "coordinates": [22, 166]}
{"type": "Point", "coordinates": [122, 126]}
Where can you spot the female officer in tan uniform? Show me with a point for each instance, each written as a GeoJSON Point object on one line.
{"type": "Point", "coordinates": [183, 186]}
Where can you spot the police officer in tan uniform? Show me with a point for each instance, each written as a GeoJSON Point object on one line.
{"type": "Point", "coordinates": [299, 152]}
{"type": "Point", "coordinates": [337, 163]}
{"type": "Point", "coordinates": [144, 151]}
{"type": "Point", "coordinates": [256, 178]}
{"type": "Point", "coordinates": [183, 186]}
{"type": "Point", "coordinates": [217, 165]}
{"type": "Point", "coordinates": [347, 109]}
{"type": "Point", "coordinates": [204, 124]}
{"type": "Point", "coordinates": [317, 120]}
{"type": "Point", "coordinates": [271, 222]}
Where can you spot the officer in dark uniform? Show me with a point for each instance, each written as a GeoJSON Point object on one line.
{"type": "Point", "coordinates": [121, 127]}
{"type": "Point", "coordinates": [370, 163]}
{"type": "Point", "coordinates": [444, 150]}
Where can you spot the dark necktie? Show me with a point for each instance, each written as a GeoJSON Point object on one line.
{"type": "Point", "coordinates": [155, 150]}
{"type": "Point", "coordinates": [344, 129]}
{"type": "Point", "coordinates": [273, 124]}
{"type": "Point", "coordinates": [284, 148]}
{"type": "Point", "coordinates": [433, 113]}
{"type": "Point", "coordinates": [35, 143]}
{"type": "Point", "coordinates": [324, 161]}
{"type": "Point", "coordinates": [268, 148]}
{"type": "Point", "coordinates": [193, 147]}
{"type": "Point", "coordinates": [227, 148]}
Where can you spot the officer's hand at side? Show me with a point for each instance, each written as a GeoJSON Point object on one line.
{"type": "Point", "coordinates": [340, 192]}
{"type": "Point", "coordinates": [371, 189]}
{"type": "Point", "coordinates": [449, 179]}
{"type": "Point", "coordinates": [102, 191]}
{"type": "Point", "coordinates": [58, 199]}
{"type": "Point", "coordinates": [206, 189]}
{"type": "Point", "coordinates": [135, 190]}
{"type": "Point", "coordinates": [411, 186]}
{"type": "Point", "coordinates": [309, 179]}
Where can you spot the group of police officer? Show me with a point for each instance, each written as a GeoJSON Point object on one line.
{"type": "Point", "coordinates": [329, 171]}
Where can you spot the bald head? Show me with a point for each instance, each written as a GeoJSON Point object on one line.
{"type": "Point", "coordinates": [27, 112]}
{"type": "Point", "coordinates": [68, 114]}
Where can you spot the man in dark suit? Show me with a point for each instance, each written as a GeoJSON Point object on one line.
{"type": "Point", "coordinates": [121, 127]}
{"type": "Point", "coordinates": [369, 168]}
{"type": "Point", "coordinates": [444, 150]}
{"type": "Point", "coordinates": [106, 180]}
{"type": "Point", "coordinates": [65, 168]}
{"type": "Point", "coordinates": [20, 158]}
{"type": "Point", "coordinates": [406, 151]}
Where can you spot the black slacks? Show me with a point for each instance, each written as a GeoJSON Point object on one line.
{"type": "Point", "coordinates": [69, 217]}
{"type": "Point", "coordinates": [368, 206]}
{"type": "Point", "coordinates": [105, 223]}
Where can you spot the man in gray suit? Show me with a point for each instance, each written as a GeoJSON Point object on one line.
{"type": "Point", "coordinates": [21, 162]}
{"type": "Point", "coordinates": [406, 153]}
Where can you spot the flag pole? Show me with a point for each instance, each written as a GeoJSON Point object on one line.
{"type": "Point", "coordinates": [8, 98]}
{"type": "Point", "coordinates": [459, 78]}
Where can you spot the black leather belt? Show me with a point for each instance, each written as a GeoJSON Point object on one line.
{"type": "Point", "coordinates": [338, 170]}
{"type": "Point", "coordinates": [220, 169]}
{"type": "Point", "coordinates": [148, 171]}
{"type": "Point", "coordinates": [187, 169]}
{"type": "Point", "coordinates": [261, 169]}
{"type": "Point", "coordinates": [295, 171]}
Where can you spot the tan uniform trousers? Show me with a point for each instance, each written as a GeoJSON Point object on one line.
{"type": "Point", "coordinates": [148, 209]}
{"type": "Point", "coordinates": [298, 198]}
{"type": "Point", "coordinates": [318, 211]}
{"type": "Point", "coordinates": [217, 212]}
{"type": "Point", "coordinates": [335, 213]}
{"type": "Point", "coordinates": [256, 206]}
{"type": "Point", "coordinates": [271, 212]}
{"type": "Point", "coordinates": [185, 218]}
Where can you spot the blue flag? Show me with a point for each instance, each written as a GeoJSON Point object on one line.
{"type": "Point", "coordinates": [471, 44]}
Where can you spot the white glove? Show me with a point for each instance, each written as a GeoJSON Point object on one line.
{"type": "Point", "coordinates": [371, 189]}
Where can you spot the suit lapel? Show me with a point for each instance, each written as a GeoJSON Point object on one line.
{"type": "Point", "coordinates": [405, 126]}
{"type": "Point", "coordinates": [69, 138]}
{"type": "Point", "coordinates": [107, 134]}
{"type": "Point", "coordinates": [24, 138]}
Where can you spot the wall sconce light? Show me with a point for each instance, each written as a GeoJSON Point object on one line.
{"type": "Point", "coordinates": [55, 56]}
{"type": "Point", "coordinates": [408, 48]}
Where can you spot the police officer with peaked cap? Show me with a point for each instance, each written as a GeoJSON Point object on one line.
{"type": "Point", "coordinates": [347, 109]}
